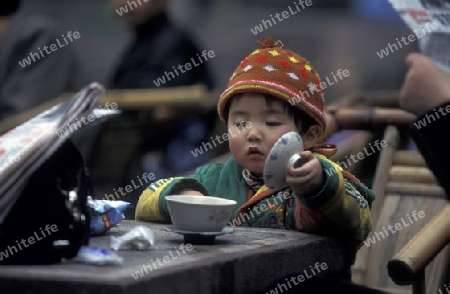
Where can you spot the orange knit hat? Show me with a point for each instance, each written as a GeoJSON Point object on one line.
{"type": "Point", "coordinates": [279, 73]}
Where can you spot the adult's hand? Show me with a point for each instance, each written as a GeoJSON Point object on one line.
{"type": "Point", "coordinates": [425, 87]}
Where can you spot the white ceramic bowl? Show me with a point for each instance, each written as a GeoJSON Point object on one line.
{"type": "Point", "coordinates": [199, 213]}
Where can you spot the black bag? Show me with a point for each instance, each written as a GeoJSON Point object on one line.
{"type": "Point", "coordinates": [49, 220]}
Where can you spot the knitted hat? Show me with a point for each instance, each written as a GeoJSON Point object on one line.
{"type": "Point", "coordinates": [279, 73]}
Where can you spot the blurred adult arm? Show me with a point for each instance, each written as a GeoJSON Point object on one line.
{"type": "Point", "coordinates": [426, 85]}
{"type": "Point", "coordinates": [426, 93]}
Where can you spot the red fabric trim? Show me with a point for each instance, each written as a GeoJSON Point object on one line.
{"type": "Point", "coordinates": [308, 220]}
{"type": "Point", "coordinates": [350, 176]}
{"type": "Point", "coordinates": [250, 203]}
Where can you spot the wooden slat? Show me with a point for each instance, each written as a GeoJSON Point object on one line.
{"type": "Point", "coordinates": [414, 189]}
{"type": "Point", "coordinates": [410, 158]}
{"type": "Point", "coordinates": [364, 118]}
{"type": "Point", "coordinates": [407, 174]}
{"type": "Point", "coordinates": [381, 178]}
{"type": "Point", "coordinates": [372, 118]}
{"type": "Point", "coordinates": [363, 258]}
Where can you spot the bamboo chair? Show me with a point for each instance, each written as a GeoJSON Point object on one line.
{"type": "Point", "coordinates": [402, 183]}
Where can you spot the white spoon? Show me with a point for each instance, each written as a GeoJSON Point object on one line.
{"type": "Point", "coordinates": [284, 154]}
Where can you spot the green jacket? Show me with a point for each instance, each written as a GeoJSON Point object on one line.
{"type": "Point", "coordinates": [341, 208]}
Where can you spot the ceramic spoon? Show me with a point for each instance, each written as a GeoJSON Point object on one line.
{"type": "Point", "coordinates": [284, 154]}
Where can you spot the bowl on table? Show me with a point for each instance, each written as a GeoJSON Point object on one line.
{"type": "Point", "coordinates": [199, 218]}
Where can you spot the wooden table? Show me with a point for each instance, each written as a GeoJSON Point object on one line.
{"type": "Point", "coordinates": [245, 261]}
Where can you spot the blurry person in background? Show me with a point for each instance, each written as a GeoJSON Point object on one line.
{"type": "Point", "coordinates": [158, 46]}
{"type": "Point", "coordinates": [24, 82]}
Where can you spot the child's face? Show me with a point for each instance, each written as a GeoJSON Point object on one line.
{"type": "Point", "coordinates": [251, 144]}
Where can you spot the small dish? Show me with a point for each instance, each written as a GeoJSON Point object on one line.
{"type": "Point", "coordinates": [283, 154]}
{"type": "Point", "coordinates": [199, 238]}
{"type": "Point", "coordinates": [199, 213]}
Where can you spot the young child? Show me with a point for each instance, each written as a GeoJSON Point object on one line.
{"type": "Point", "coordinates": [274, 91]}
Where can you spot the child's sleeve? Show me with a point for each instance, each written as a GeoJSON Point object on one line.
{"type": "Point", "coordinates": [342, 205]}
{"type": "Point", "coordinates": [152, 205]}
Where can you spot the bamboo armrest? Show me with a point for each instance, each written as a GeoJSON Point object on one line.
{"type": "Point", "coordinates": [421, 249]}
{"type": "Point", "coordinates": [365, 118]}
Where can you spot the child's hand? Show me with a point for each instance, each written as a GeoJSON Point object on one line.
{"type": "Point", "coordinates": [191, 192]}
{"type": "Point", "coordinates": [308, 178]}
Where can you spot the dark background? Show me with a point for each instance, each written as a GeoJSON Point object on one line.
{"type": "Point", "coordinates": [331, 34]}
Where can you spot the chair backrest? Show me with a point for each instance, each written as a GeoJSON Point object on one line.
{"type": "Point", "coordinates": [408, 196]}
